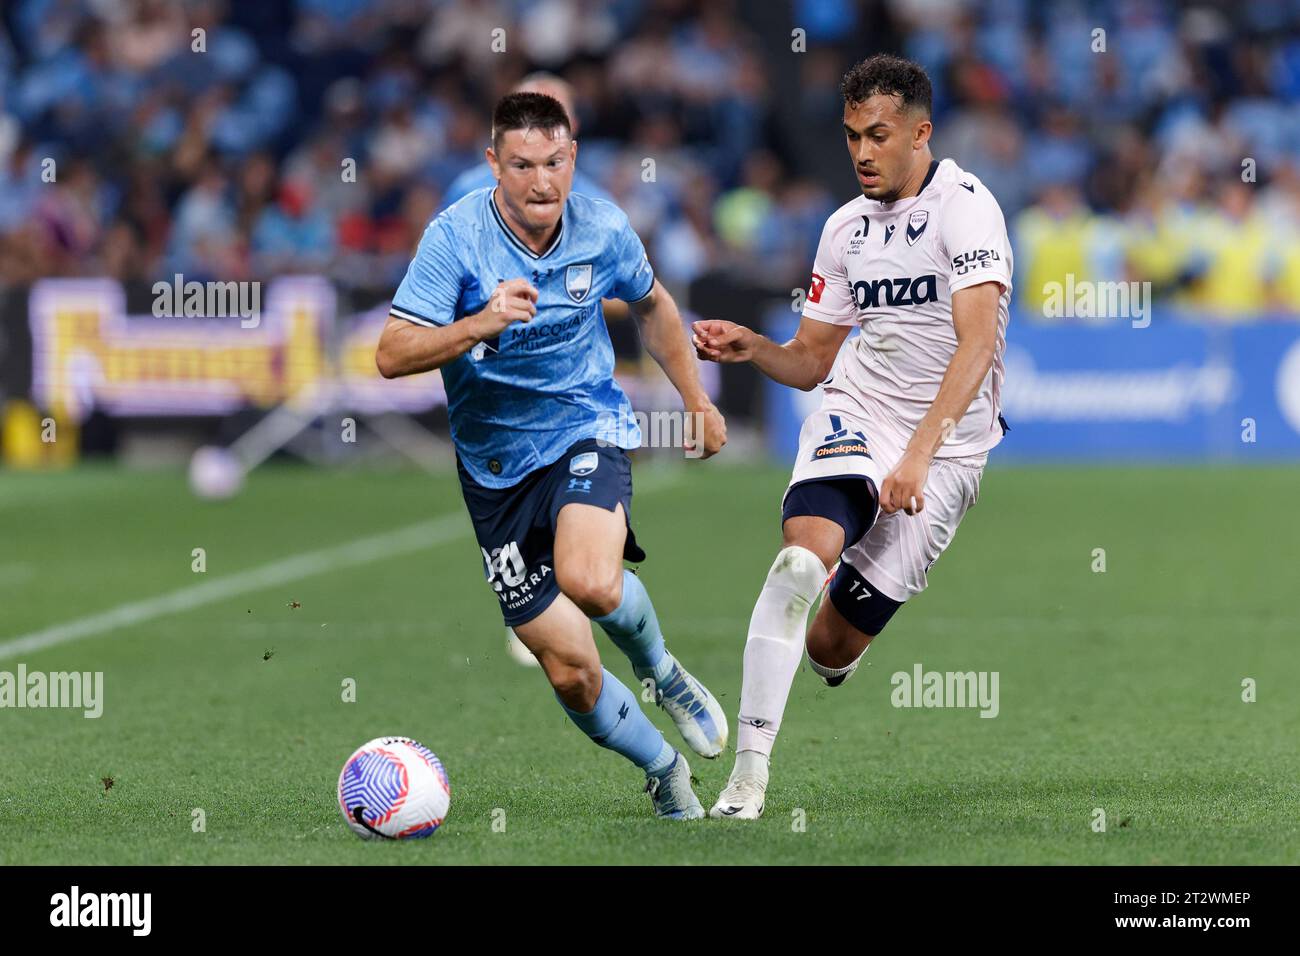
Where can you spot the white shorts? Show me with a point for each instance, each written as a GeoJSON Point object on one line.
{"type": "Point", "coordinates": [898, 551]}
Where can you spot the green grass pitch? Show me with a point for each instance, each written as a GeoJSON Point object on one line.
{"type": "Point", "coordinates": [1119, 690]}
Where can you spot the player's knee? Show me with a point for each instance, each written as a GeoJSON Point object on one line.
{"type": "Point", "coordinates": [595, 591]}
{"type": "Point", "coordinates": [827, 516]}
{"type": "Point", "coordinates": [820, 538]}
{"type": "Point", "coordinates": [799, 570]}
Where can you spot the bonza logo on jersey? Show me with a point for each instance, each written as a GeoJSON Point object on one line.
{"type": "Point", "coordinates": [902, 291]}
{"type": "Point", "coordinates": [509, 575]}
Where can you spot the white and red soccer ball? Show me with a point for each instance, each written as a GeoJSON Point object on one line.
{"type": "Point", "coordinates": [394, 788]}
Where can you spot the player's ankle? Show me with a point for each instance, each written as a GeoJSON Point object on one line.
{"type": "Point", "coordinates": [752, 762]}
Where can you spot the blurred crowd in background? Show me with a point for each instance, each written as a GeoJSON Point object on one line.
{"type": "Point", "coordinates": [1172, 157]}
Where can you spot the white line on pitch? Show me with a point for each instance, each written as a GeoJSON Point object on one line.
{"type": "Point", "coordinates": [427, 534]}
{"type": "Point", "coordinates": [418, 537]}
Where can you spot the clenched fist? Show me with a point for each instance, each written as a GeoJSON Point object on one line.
{"type": "Point", "coordinates": [714, 429]}
{"type": "Point", "coordinates": [904, 488]}
{"type": "Point", "coordinates": [512, 301]}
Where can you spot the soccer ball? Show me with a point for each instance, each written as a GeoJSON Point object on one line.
{"type": "Point", "coordinates": [394, 788]}
{"type": "Point", "coordinates": [215, 473]}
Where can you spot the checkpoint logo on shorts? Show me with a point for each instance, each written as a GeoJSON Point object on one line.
{"type": "Point", "coordinates": [837, 449]}
{"type": "Point", "coordinates": [841, 442]}
{"type": "Point", "coordinates": [584, 464]}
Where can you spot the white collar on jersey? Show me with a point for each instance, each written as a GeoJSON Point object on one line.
{"type": "Point", "coordinates": [897, 203]}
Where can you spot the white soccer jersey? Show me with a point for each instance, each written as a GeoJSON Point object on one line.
{"type": "Point", "coordinates": [891, 269]}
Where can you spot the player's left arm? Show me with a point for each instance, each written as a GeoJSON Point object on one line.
{"type": "Point", "coordinates": [664, 337]}
{"type": "Point", "coordinates": [975, 319]}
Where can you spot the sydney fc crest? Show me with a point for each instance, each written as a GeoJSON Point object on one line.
{"type": "Point", "coordinates": [584, 464]}
{"type": "Point", "coordinates": [916, 225]}
{"type": "Point", "coordinates": [577, 281]}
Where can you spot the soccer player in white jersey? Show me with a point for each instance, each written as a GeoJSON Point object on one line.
{"type": "Point", "coordinates": [921, 265]}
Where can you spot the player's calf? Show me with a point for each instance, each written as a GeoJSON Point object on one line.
{"type": "Point", "coordinates": [576, 685]}
{"type": "Point", "coordinates": [560, 639]}
{"type": "Point", "coordinates": [854, 612]}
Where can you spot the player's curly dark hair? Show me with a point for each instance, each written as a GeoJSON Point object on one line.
{"type": "Point", "coordinates": [890, 75]}
{"type": "Point", "coordinates": [528, 111]}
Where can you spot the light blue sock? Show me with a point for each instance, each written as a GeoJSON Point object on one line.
{"type": "Point", "coordinates": [617, 723]}
{"type": "Point", "coordinates": [634, 629]}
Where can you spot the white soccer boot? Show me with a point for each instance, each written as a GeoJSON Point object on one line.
{"type": "Point", "coordinates": [746, 789]}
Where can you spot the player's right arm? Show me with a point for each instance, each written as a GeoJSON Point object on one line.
{"type": "Point", "coordinates": [829, 314]}
{"type": "Point", "coordinates": [425, 329]}
{"type": "Point", "coordinates": [802, 363]}
{"type": "Point", "coordinates": [406, 348]}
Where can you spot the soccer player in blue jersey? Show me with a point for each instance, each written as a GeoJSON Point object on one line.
{"type": "Point", "coordinates": [503, 296]}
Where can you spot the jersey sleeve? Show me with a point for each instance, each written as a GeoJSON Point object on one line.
{"type": "Point", "coordinates": [975, 237]}
{"type": "Point", "coordinates": [633, 276]}
{"type": "Point", "coordinates": [431, 287]}
{"type": "Point", "coordinates": [830, 297]}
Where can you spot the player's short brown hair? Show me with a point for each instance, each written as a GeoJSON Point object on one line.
{"type": "Point", "coordinates": [890, 76]}
{"type": "Point", "coordinates": [528, 111]}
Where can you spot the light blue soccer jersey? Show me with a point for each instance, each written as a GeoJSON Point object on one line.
{"type": "Point", "coordinates": [517, 402]}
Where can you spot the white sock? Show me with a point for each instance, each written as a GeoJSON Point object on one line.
{"type": "Point", "coordinates": [750, 763]}
{"type": "Point", "coordinates": [830, 673]}
{"type": "Point", "coordinates": [775, 644]}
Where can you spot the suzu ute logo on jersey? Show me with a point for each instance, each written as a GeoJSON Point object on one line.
{"type": "Point", "coordinates": [577, 281]}
{"type": "Point", "coordinates": [584, 464]}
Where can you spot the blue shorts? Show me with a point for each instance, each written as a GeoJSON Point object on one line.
{"type": "Point", "coordinates": [515, 526]}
